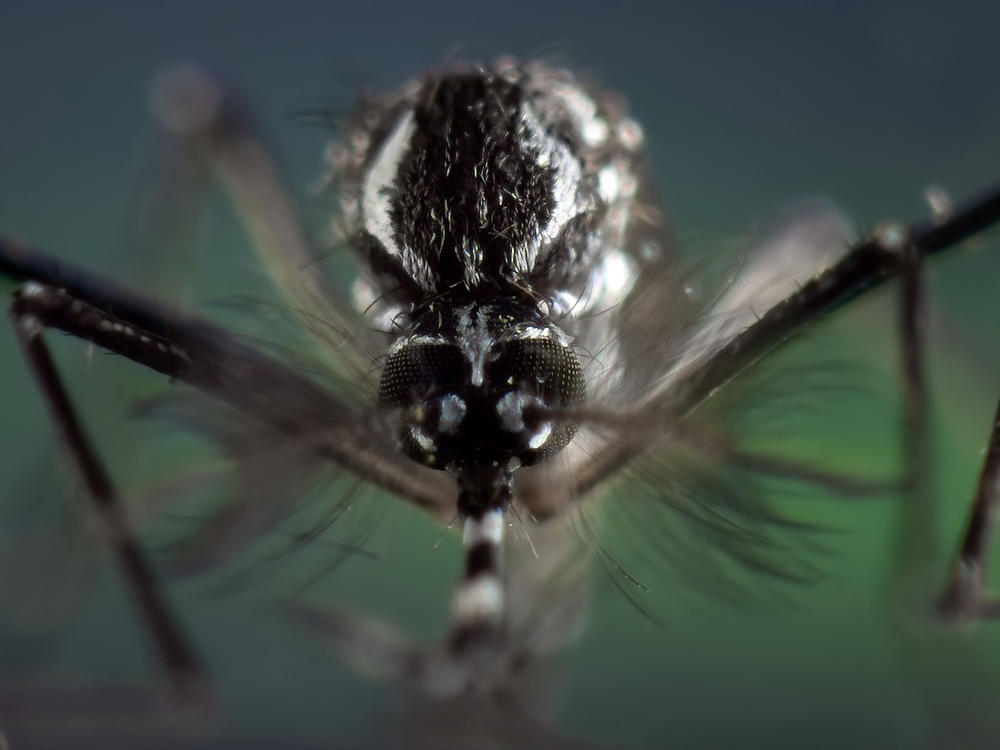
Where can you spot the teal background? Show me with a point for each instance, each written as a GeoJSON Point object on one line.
{"type": "Point", "coordinates": [745, 107]}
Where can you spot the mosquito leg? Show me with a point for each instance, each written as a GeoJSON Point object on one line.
{"type": "Point", "coordinates": [963, 596]}
{"type": "Point", "coordinates": [183, 668]}
{"type": "Point", "coordinates": [211, 122]}
{"type": "Point", "coordinates": [918, 513]}
{"type": "Point", "coordinates": [209, 359]}
{"type": "Point", "coordinates": [867, 265]}
{"type": "Point", "coordinates": [964, 591]}
{"type": "Point", "coordinates": [911, 333]}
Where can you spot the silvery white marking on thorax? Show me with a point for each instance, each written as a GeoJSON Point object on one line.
{"type": "Point", "coordinates": [421, 340]}
{"type": "Point", "coordinates": [608, 183]}
{"type": "Point", "coordinates": [364, 294]}
{"type": "Point", "coordinates": [529, 332]}
{"type": "Point", "coordinates": [630, 134]}
{"type": "Point", "coordinates": [611, 280]}
{"type": "Point", "coordinates": [376, 200]}
{"type": "Point", "coordinates": [582, 109]}
{"type": "Point", "coordinates": [550, 153]}
{"type": "Point", "coordinates": [369, 302]}
{"type": "Point", "coordinates": [608, 284]}
{"type": "Point", "coordinates": [564, 303]}
{"type": "Point", "coordinates": [474, 340]}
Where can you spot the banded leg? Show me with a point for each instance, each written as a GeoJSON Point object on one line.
{"type": "Point", "coordinates": [177, 658]}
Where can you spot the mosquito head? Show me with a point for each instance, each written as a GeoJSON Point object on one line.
{"type": "Point", "coordinates": [478, 393]}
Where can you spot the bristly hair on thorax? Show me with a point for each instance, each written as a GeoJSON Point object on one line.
{"type": "Point", "coordinates": [490, 181]}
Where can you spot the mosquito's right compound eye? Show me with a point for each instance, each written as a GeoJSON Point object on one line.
{"type": "Point", "coordinates": [418, 370]}
{"type": "Point", "coordinates": [542, 367]}
{"type": "Point", "coordinates": [541, 374]}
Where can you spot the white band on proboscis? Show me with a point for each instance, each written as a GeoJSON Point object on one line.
{"type": "Point", "coordinates": [488, 528]}
{"type": "Point", "coordinates": [477, 599]}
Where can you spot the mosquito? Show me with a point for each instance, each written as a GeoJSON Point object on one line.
{"type": "Point", "coordinates": [518, 326]}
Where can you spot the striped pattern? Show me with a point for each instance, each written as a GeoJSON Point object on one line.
{"type": "Point", "coordinates": [477, 605]}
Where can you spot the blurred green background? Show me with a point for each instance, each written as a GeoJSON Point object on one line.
{"type": "Point", "coordinates": [746, 106]}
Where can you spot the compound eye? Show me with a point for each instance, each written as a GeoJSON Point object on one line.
{"type": "Point", "coordinates": [416, 371]}
{"type": "Point", "coordinates": [542, 367]}
{"type": "Point", "coordinates": [540, 373]}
